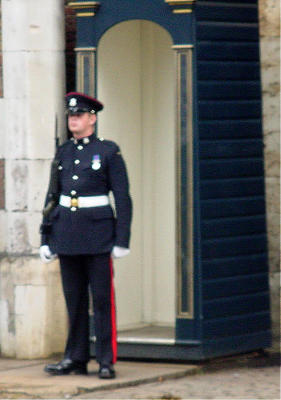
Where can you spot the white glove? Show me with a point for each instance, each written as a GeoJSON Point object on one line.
{"type": "Point", "coordinates": [46, 254]}
{"type": "Point", "coordinates": [118, 252]}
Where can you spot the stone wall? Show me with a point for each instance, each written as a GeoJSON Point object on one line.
{"type": "Point", "coordinates": [32, 311]}
{"type": "Point", "coordinates": [1, 61]}
{"type": "Point", "coordinates": [2, 184]}
{"type": "Point", "coordinates": [2, 162]}
{"type": "Point", "coordinates": [269, 12]}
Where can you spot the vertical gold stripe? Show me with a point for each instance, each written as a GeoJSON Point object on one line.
{"type": "Point", "coordinates": [186, 52]}
{"type": "Point", "coordinates": [190, 186]}
{"type": "Point", "coordinates": [81, 55]}
{"type": "Point", "coordinates": [178, 180]}
{"type": "Point", "coordinates": [79, 69]}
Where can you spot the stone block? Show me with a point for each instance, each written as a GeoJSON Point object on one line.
{"type": "Point", "coordinates": [269, 17]}
{"type": "Point", "coordinates": [270, 64]}
{"type": "Point", "coordinates": [17, 234]}
{"type": "Point", "coordinates": [26, 26]}
{"type": "Point", "coordinates": [272, 154]}
{"type": "Point", "coordinates": [269, 51]}
{"type": "Point", "coordinates": [7, 338]}
{"type": "Point", "coordinates": [22, 235]}
{"type": "Point", "coordinates": [46, 103]}
{"type": "Point", "coordinates": [7, 314]}
{"type": "Point", "coordinates": [16, 83]}
{"type": "Point", "coordinates": [274, 282]}
{"type": "Point", "coordinates": [30, 310]}
{"type": "Point", "coordinates": [17, 180]}
{"type": "Point", "coordinates": [273, 222]}
{"type": "Point", "coordinates": [14, 15]}
{"type": "Point", "coordinates": [15, 141]}
{"type": "Point", "coordinates": [39, 174]}
{"type": "Point", "coordinates": [33, 225]}
{"type": "Point", "coordinates": [3, 231]}
{"type": "Point", "coordinates": [2, 127]}
{"type": "Point", "coordinates": [28, 271]}
{"type": "Point", "coordinates": [33, 315]}
{"type": "Point", "coordinates": [2, 184]}
{"type": "Point", "coordinates": [272, 187]}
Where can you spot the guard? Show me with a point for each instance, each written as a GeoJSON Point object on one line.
{"type": "Point", "coordinates": [83, 230]}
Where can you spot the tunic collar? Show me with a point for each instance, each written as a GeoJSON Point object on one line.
{"type": "Point", "coordinates": [85, 140]}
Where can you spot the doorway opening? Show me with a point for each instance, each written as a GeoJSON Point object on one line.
{"type": "Point", "coordinates": [136, 83]}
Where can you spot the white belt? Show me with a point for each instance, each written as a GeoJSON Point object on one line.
{"type": "Point", "coordinates": [84, 201]}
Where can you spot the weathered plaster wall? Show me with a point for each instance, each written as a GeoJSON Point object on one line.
{"type": "Point", "coordinates": [269, 11]}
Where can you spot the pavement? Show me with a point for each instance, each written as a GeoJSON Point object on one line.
{"type": "Point", "coordinates": [254, 375]}
{"type": "Point", "coordinates": [25, 379]}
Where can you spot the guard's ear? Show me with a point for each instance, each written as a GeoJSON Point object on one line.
{"type": "Point", "coordinates": [93, 118]}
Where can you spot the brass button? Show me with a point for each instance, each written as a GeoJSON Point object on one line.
{"type": "Point", "coordinates": [80, 147]}
{"type": "Point", "coordinates": [73, 192]}
{"type": "Point", "coordinates": [73, 209]}
{"type": "Point", "coordinates": [75, 177]}
{"type": "Point", "coordinates": [77, 162]}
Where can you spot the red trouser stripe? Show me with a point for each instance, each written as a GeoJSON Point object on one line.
{"type": "Point", "coordinates": [113, 317]}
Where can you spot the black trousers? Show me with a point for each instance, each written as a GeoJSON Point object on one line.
{"type": "Point", "coordinates": [78, 274]}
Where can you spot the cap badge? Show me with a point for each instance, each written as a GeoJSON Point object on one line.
{"type": "Point", "coordinates": [73, 102]}
{"type": "Point", "coordinates": [96, 162]}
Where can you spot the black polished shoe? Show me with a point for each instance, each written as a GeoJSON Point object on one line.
{"type": "Point", "coordinates": [106, 372]}
{"type": "Point", "coordinates": [66, 367]}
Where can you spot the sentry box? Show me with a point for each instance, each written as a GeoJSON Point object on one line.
{"type": "Point", "coordinates": [180, 80]}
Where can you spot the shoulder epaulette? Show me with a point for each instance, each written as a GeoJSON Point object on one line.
{"type": "Point", "coordinates": [64, 144]}
{"type": "Point", "coordinates": [108, 142]}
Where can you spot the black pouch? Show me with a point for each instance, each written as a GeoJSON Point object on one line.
{"type": "Point", "coordinates": [46, 228]}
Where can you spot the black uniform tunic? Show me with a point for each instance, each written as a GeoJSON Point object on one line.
{"type": "Point", "coordinates": [90, 169]}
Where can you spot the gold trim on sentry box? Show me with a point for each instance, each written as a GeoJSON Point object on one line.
{"type": "Point", "coordinates": [186, 52]}
{"type": "Point", "coordinates": [84, 4]}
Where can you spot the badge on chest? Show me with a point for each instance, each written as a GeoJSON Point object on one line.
{"type": "Point", "coordinates": [96, 162]}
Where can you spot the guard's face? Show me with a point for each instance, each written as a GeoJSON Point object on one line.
{"type": "Point", "coordinates": [81, 124]}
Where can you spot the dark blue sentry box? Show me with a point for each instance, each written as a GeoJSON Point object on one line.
{"type": "Point", "coordinates": [222, 269]}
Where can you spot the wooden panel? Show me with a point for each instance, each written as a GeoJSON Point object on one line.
{"type": "Point", "coordinates": [225, 188]}
{"type": "Point", "coordinates": [233, 227]}
{"type": "Point", "coordinates": [212, 11]}
{"type": "Point", "coordinates": [215, 228]}
{"type": "Point", "coordinates": [236, 246]}
{"type": "Point", "coordinates": [227, 109]}
{"type": "Point", "coordinates": [233, 326]}
{"type": "Point", "coordinates": [216, 169]}
{"type": "Point", "coordinates": [227, 31]}
{"type": "Point", "coordinates": [237, 305]}
{"type": "Point", "coordinates": [225, 90]}
{"type": "Point", "coordinates": [230, 129]}
{"type": "Point", "coordinates": [232, 207]}
{"type": "Point", "coordinates": [228, 51]}
{"type": "Point", "coordinates": [237, 286]}
{"type": "Point", "coordinates": [230, 148]}
{"type": "Point", "coordinates": [219, 70]}
{"type": "Point", "coordinates": [233, 266]}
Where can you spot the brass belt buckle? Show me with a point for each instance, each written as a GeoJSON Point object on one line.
{"type": "Point", "coordinates": [74, 202]}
